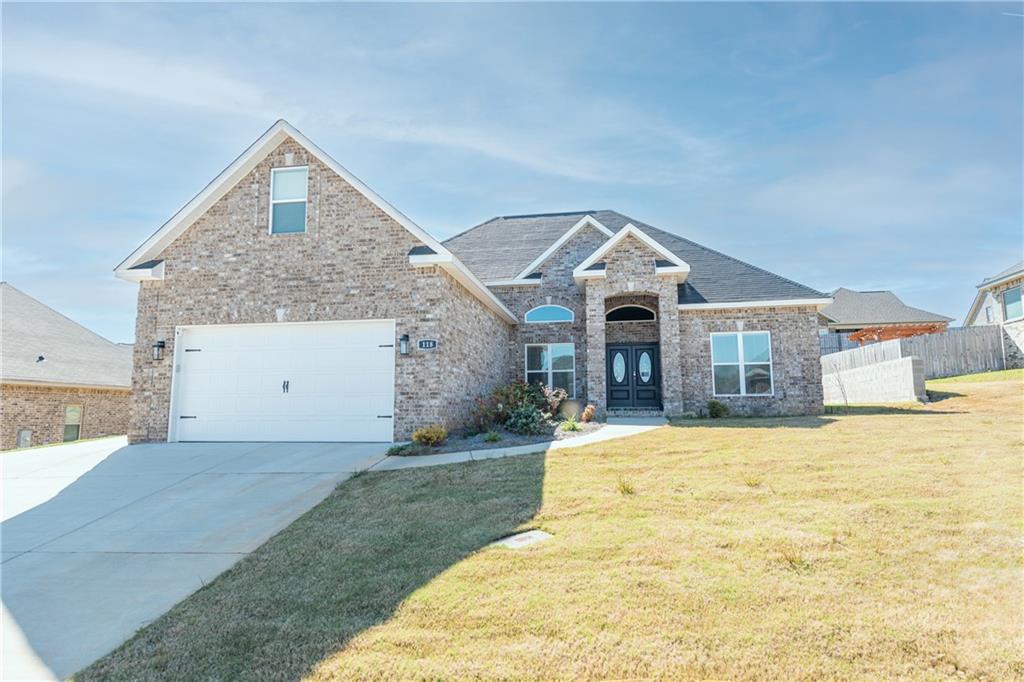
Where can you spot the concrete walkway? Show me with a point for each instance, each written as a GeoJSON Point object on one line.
{"type": "Point", "coordinates": [615, 428]}
{"type": "Point", "coordinates": [100, 538]}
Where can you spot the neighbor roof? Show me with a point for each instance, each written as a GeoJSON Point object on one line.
{"type": "Point", "coordinates": [72, 354]}
{"type": "Point", "coordinates": [875, 307]}
{"type": "Point", "coordinates": [1015, 269]}
{"type": "Point", "coordinates": [500, 248]}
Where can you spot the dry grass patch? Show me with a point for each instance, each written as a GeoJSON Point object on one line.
{"type": "Point", "coordinates": [877, 545]}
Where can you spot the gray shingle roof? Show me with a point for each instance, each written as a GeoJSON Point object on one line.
{"type": "Point", "coordinates": [1014, 269]}
{"type": "Point", "coordinates": [501, 247]}
{"type": "Point", "coordinates": [73, 354]}
{"type": "Point", "coordinates": [875, 307]}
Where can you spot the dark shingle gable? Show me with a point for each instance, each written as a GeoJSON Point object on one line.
{"type": "Point", "coordinates": [501, 247]}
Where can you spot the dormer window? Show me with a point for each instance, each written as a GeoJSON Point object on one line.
{"type": "Point", "coordinates": [288, 199]}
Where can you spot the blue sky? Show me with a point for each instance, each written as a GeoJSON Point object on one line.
{"type": "Point", "coordinates": [867, 146]}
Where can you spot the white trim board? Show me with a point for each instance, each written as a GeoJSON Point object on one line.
{"type": "Point", "coordinates": [583, 222]}
{"type": "Point", "coordinates": [781, 303]}
{"type": "Point", "coordinates": [152, 247]}
{"type": "Point", "coordinates": [679, 267]}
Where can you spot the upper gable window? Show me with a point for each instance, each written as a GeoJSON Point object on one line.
{"type": "Point", "coordinates": [288, 200]}
{"type": "Point", "coordinates": [549, 313]}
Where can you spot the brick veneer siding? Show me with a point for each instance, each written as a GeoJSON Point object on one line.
{"type": "Point", "coordinates": [41, 409]}
{"type": "Point", "coordinates": [557, 288]}
{"type": "Point", "coordinates": [644, 331]}
{"type": "Point", "coordinates": [1013, 331]}
{"type": "Point", "coordinates": [351, 263]}
{"type": "Point", "coordinates": [795, 358]}
{"type": "Point", "coordinates": [629, 270]}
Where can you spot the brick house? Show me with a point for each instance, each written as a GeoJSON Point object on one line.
{"type": "Point", "coordinates": [998, 302]}
{"type": "Point", "coordinates": [288, 301]}
{"type": "Point", "coordinates": [59, 381]}
{"type": "Point", "coordinates": [868, 316]}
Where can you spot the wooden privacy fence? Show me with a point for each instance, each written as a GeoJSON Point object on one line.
{"type": "Point", "coordinates": [961, 350]}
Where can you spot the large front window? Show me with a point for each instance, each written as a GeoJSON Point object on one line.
{"type": "Point", "coordinates": [1012, 308]}
{"type": "Point", "coordinates": [741, 363]}
{"type": "Point", "coordinates": [288, 200]}
{"type": "Point", "coordinates": [552, 364]}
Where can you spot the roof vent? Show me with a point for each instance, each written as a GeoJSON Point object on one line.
{"type": "Point", "coordinates": [40, 359]}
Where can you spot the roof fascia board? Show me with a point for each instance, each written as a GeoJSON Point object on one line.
{"type": "Point", "coordinates": [583, 222]}
{"type": "Point", "coordinates": [630, 230]}
{"type": "Point", "coordinates": [514, 282]}
{"type": "Point", "coordinates": [139, 275]}
{"type": "Point", "coordinates": [779, 303]}
{"type": "Point", "coordinates": [975, 308]}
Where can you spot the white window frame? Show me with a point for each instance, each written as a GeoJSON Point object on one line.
{"type": "Point", "coordinates": [630, 305]}
{"type": "Point", "coordinates": [550, 371]}
{"type": "Point", "coordinates": [81, 420]}
{"type": "Point", "coordinates": [572, 315]}
{"type": "Point", "coordinates": [274, 202]}
{"type": "Point", "coordinates": [988, 314]}
{"type": "Point", "coordinates": [741, 363]}
{"type": "Point", "coordinates": [1002, 296]}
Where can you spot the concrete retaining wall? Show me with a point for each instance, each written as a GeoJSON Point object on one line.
{"type": "Point", "coordinates": [891, 381]}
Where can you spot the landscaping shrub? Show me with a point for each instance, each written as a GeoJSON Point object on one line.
{"type": "Point", "coordinates": [717, 410]}
{"type": "Point", "coordinates": [570, 424]}
{"type": "Point", "coordinates": [492, 437]}
{"type": "Point", "coordinates": [526, 420]}
{"type": "Point", "coordinates": [551, 398]}
{"type": "Point", "coordinates": [432, 435]}
{"type": "Point", "coordinates": [589, 412]}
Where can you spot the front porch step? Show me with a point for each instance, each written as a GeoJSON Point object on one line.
{"type": "Point", "coordinates": [635, 412]}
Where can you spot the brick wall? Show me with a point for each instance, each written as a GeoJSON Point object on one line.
{"type": "Point", "coordinates": [557, 288]}
{"type": "Point", "coordinates": [796, 366]}
{"type": "Point", "coordinates": [1013, 332]}
{"type": "Point", "coordinates": [351, 263]}
{"type": "Point", "coordinates": [41, 409]}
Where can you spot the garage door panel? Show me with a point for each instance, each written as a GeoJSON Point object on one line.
{"type": "Point", "coordinates": [340, 382]}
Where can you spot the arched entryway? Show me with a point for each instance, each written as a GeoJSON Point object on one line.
{"type": "Point", "coordinates": [632, 352]}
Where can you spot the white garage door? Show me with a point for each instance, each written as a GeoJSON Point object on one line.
{"type": "Point", "coordinates": [323, 381]}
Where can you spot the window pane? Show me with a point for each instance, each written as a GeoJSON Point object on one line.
{"type": "Point", "coordinates": [73, 414]}
{"type": "Point", "coordinates": [727, 380]}
{"type": "Point", "coordinates": [290, 184]}
{"type": "Point", "coordinates": [562, 355]}
{"type": "Point", "coordinates": [1012, 304]}
{"type": "Point", "coordinates": [289, 218]}
{"type": "Point", "coordinates": [71, 432]}
{"type": "Point", "coordinates": [536, 358]}
{"type": "Point", "coordinates": [564, 380]}
{"type": "Point", "coordinates": [549, 313]}
{"type": "Point", "coordinates": [537, 378]}
{"type": "Point", "coordinates": [758, 378]}
{"type": "Point", "coordinates": [724, 348]}
{"type": "Point", "coordinates": [756, 348]}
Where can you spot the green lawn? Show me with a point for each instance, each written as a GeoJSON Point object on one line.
{"type": "Point", "coordinates": [984, 377]}
{"type": "Point", "coordinates": [878, 545]}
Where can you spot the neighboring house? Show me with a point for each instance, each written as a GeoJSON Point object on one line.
{"type": "Point", "coordinates": [288, 301]}
{"type": "Point", "coordinates": [58, 380]}
{"type": "Point", "coordinates": [998, 302]}
{"type": "Point", "coordinates": [869, 316]}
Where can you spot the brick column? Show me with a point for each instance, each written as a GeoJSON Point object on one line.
{"type": "Point", "coordinates": [671, 351]}
{"type": "Point", "coordinates": [596, 390]}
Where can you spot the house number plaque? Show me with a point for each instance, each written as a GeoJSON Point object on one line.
{"type": "Point", "coordinates": [426, 344]}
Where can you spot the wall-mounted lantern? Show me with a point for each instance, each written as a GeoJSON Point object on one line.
{"type": "Point", "coordinates": [158, 349]}
{"type": "Point", "coordinates": [403, 344]}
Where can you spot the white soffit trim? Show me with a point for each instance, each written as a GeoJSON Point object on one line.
{"type": "Point", "coordinates": [249, 159]}
{"type": "Point", "coordinates": [583, 222]}
{"type": "Point", "coordinates": [780, 303]}
{"type": "Point", "coordinates": [138, 274]}
{"type": "Point", "coordinates": [679, 266]}
{"type": "Point", "coordinates": [1002, 280]}
{"type": "Point", "coordinates": [514, 282]}
{"type": "Point", "coordinates": [975, 308]}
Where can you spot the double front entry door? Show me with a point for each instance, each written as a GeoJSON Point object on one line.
{"type": "Point", "coordinates": [634, 376]}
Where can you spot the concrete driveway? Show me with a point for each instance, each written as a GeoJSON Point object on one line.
{"type": "Point", "coordinates": [100, 538]}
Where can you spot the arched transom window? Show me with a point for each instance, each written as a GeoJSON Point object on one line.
{"type": "Point", "coordinates": [549, 313]}
{"type": "Point", "coordinates": [629, 313]}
